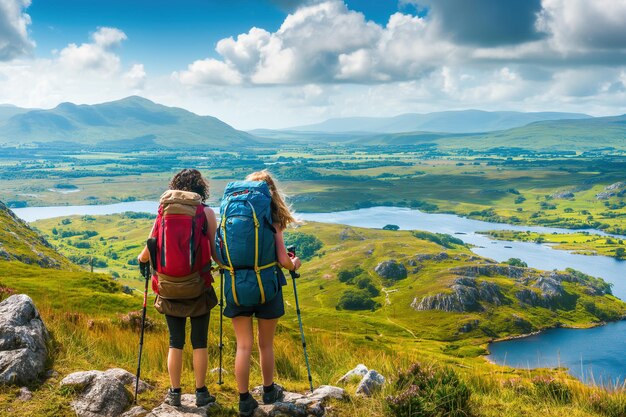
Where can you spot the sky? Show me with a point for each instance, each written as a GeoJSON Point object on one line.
{"type": "Point", "coordinates": [281, 63]}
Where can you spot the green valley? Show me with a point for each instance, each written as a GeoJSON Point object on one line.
{"type": "Point", "coordinates": [409, 321]}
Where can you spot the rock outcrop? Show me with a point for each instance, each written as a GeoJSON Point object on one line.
{"type": "Point", "coordinates": [299, 405]}
{"type": "Point", "coordinates": [391, 269]}
{"type": "Point", "coordinates": [563, 195]}
{"type": "Point", "coordinates": [535, 288]}
{"type": "Point", "coordinates": [616, 189]}
{"type": "Point", "coordinates": [466, 295]}
{"type": "Point", "coordinates": [23, 339]}
{"type": "Point", "coordinates": [102, 394]}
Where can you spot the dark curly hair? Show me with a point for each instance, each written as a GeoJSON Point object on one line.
{"type": "Point", "coordinates": [191, 180]}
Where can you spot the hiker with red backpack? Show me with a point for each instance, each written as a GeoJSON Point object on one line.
{"type": "Point", "coordinates": [185, 234]}
{"type": "Point", "coordinates": [250, 249]}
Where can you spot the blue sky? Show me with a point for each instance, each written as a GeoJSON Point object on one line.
{"type": "Point", "coordinates": [164, 34]}
{"type": "Point", "coordinates": [279, 63]}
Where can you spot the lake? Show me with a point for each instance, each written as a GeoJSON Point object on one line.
{"type": "Point", "coordinates": [591, 354]}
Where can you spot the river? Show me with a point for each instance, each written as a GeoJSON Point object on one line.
{"type": "Point", "coordinates": [592, 354]}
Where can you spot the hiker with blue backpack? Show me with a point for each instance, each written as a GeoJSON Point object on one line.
{"type": "Point", "coordinates": [184, 236]}
{"type": "Point", "coordinates": [251, 251]}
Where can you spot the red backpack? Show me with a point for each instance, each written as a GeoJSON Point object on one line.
{"type": "Point", "coordinates": [183, 258]}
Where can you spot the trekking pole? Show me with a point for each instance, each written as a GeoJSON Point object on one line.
{"type": "Point", "coordinates": [152, 250]}
{"type": "Point", "coordinates": [294, 275]}
{"type": "Point", "coordinates": [221, 346]}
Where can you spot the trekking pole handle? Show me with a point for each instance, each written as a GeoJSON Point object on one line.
{"type": "Point", "coordinates": [291, 251]}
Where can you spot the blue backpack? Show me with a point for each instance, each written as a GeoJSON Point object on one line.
{"type": "Point", "coordinates": [246, 245]}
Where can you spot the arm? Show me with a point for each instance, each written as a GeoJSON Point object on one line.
{"type": "Point", "coordinates": [211, 219]}
{"type": "Point", "coordinates": [144, 256]}
{"type": "Point", "coordinates": [282, 256]}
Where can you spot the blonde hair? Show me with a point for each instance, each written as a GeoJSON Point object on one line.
{"type": "Point", "coordinates": [281, 212]}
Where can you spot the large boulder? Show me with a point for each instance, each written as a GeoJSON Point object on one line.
{"type": "Point", "coordinates": [391, 269]}
{"type": "Point", "coordinates": [187, 409]}
{"type": "Point", "coordinates": [23, 339]}
{"type": "Point", "coordinates": [300, 405]}
{"type": "Point", "coordinates": [102, 394]}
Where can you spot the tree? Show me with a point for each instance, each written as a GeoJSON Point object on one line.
{"type": "Point", "coordinates": [516, 262]}
{"type": "Point", "coordinates": [391, 227]}
{"type": "Point", "coordinates": [620, 252]}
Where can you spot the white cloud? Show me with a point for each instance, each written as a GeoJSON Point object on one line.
{"type": "Point", "coordinates": [95, 56]}
{"type": "Point", "coordinates": [208, 71]}
{"type": "Point", "coordinates": [582, 24]}
{"type": "Point", "coordinates": [88, 73]}
{"type": "Point", "coordinates": [135, 78]}
{"type": "Point", "coordinates": [14, 39]}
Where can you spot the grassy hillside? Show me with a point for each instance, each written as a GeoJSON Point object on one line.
{"type": "Point", "coordinates": [561, 135]}
{"type": "Point", "coordinates": [88, 318]}
{"type": "Point", "coordinates": [18, 242]}
{"type": "Point", "coordinates": [131, 123]}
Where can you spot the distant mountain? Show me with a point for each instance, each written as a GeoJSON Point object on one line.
{"type": "Point", "coordinates": [133, 121]}
{"type": "Point", "coordinates": [464, 121]}
{"type": "Point", "coordinates": [8, 110]}
{"type": "Point", "coordinates": [578, 135]}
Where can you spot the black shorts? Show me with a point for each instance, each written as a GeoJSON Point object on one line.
{"type": "Point", "coordinates": [273, 309]}
{"type": "Point", "coordinates": [199, 331]}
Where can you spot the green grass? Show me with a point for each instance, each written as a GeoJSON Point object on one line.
{"type": "Point", "coordinates": [580, 243]}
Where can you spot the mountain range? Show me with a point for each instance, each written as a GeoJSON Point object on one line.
{"type": "Point", "coordinates": [138, 123]}
{"type": "Point", "coordinates": [127, 123]}
{"type": "Point", "coordinates": [463, 121]}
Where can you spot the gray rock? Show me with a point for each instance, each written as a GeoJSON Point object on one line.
{"type": "Point", "coordinates": [616, 186]}
{"type": "Point", "coordinates": [605, 195]}
{"type": "Point", "coordinates": [23, 338]}
{"type": "Point", "coordinates": [358, 372]}
{"type": "Point", "coordinates": [490, 270]}
{"type": "Point", "coordinates": [371, 382]}
{"type": "Point", "coordinates": [101, 394]}
{"type": "Point", "coordinates": [104, 396]}
{"type": "Point", "coordinates": [127, 378]}
{"type": "Point", "coordinates": [550, 287]}
{"type": "Point", "coordinates": [25, 394]}
{"type": "Point", "coordinates": [490, 292]}
{"type": "Point", "coordinates": [299, 405]}
{"type": "Point", "coordinates": [391, 269]}
{"type": "Point", "coordinates": [466, 295]}
{"type": "Point", "coordinates": [563, 195]}
{"type": "Point", "coordinates": [530, 297]}
{"type": "Point", "coordinates": [325, 392]}
{"type": "Point", "coordinates": [136, 411]}
{"type": "Point", "coordinates": [187, 409]}
{"type": "Point", "coordinates": [127, 290]}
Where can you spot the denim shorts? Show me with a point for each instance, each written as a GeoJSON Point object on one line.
{"type": "Point", "coordinates": [272, 309]}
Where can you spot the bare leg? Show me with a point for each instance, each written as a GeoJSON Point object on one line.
{"type": "Point", "coordinates": [267, 328]}
{"type": "Point", "coordinates": [175, 366]}
{"type": "Point", "coordinates": [200, 364]}
{"type": "Point", "coordinates": [245, 339]}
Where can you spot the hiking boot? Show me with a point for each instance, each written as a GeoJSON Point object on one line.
{"type": "Point", "coordinates": [204, 398]}
{"type": "Point", "coordinates": [173, 398]}
{"type": "Point", "coordinates": [247, 406]}
{"type": "Point", "coordinates": [274, 395]}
